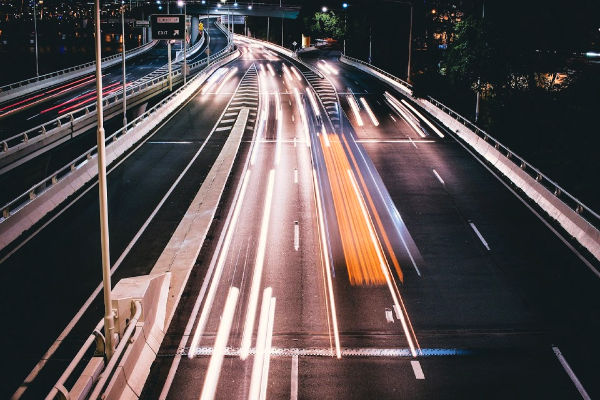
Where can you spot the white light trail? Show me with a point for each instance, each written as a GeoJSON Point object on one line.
{"type": "Point", "coordinates": [226, 79]}
{"type": "Point", "coordinates": [268, 341]}
{"type": "Point", "coordinates": [258, 268]}
{"type": "Point", "coordinates": [369, 111]}
{"type": "Point", "coordinates": [213, 79]}
{"type": "Point", "coordinates": [261, 340]}
{"type": "Point", "coordinates": [313, 101]}
{"type": "Point", "coordinates": [396, 105]}
{"type": "Point", "coordinates": [325, 254]}
{"type": "Point", "coordinates": [296, 73]}
{"type": "Point", "coordinates": [355, 109]}
{"type": "Point", "coordinates": [216, 360]}
{"type": "Point", "coordinates": [279, 117]}
{"type": "Point", "coordinates": [219, 269]}
{"type": "Point", "coordinates": [329, 68]}
{"type": "Point", "coordinates": [270, 68]}
{"type": "Point", "coordinates": [433, 127]}
{"type": "Point", "coordinates": [286, 72]}
{"type": "Point", "coordinates": [325, 136]}
{"type": "Point", "coordinates": [382, 261]}
{"type": "Point", "coordinates": [302, 112]}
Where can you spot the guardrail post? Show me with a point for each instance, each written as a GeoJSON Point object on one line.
{"type": "Point", "coordinates": [25, 138]}
{"type": "Point", "coordinates": [59, 123]}
{"type": "Point", "coordinates": [32, 195]}
{"type": "Point", "coordinates": [579, 209]}
{"type": "Point", "coordinates": [43, 129]}
{"type": "Point", "coordinates": [557, 191]}
{"type": "Point", "coordinates": [539, 177]}
{"type": "Point", "coordinates": [54, 179]}
{"type": "Point", "coordinates": [6, 213]}
{"type": "Point", "coordinates": [4, 146]}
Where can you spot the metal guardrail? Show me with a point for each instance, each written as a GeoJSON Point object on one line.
{"type": "Point", "coordinates": [56, 126]}
{"type": "Point", "coordinates": [575, 204]}
{"type": "Point", "coordinates": [28, 81]}
{"type": "Point", "coordinates": [387, 74]}
{"type": "Point", "coordinates": [36, 190]}
{"type": "Point", "coordinates": [592, 217]}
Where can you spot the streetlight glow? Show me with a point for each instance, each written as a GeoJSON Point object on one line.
{"type": "Point", "coordinates": [345, 5]}
{"type": "Point", "coordinates": [324, 9]}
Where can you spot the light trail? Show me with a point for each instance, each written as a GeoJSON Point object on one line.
{"type": "Point", "coordinates": [287, 73]}
{"type": "Point", "coordinates": [82, 96]}
{"type": "Point", "coordinates": [263, 114]}
{"type": "Point", "coordinates": [219, 269]}
{"type": "Point", "coordinates": [66, 87]}
{"type": "Point", "coordinates": [259, 355]}
{"type": "Point", "coordinates": [302, 112]}
{"type": "Point", "coordinates": [325, 136]}
{"type": "Point", "coordinates": [369, 111]}
{"type": "Point", "coordinates": [226, 79]}
{"type": "Point", "coordinates": [433, 127]}
{"type": "Point", "coordinates": [396, 105]}
{"type": "Point", "coordinates": [214, 79]}
{"type": "Point", "coordinates": [325, 254]}
{"type": "Point", "coordinates": [258, 268]}
{"type": "Point", "coordinates": [216, 360]}
{"type": "Point", "coordinates": [296, 73]}
{"type": "Point", "coordinates": [329, 68]}
{"type": "Point", "coordinates": [267, 360]}
{"type": "Point", "coordinates": [313, 101]}
{"type": "Point", "coordinates": [270, 68]}
{"type": "Point", "coordinates": [279, 117]}
{"type": "Point", "coordinates": [81, 103]}
{"type": "Point", "coordinates": [355, 109]}
{"type": "Point", "coordinates": [383, 263]}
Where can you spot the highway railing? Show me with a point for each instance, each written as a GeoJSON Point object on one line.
{"type": "Point", "coordinates": [75, 121]}
{"type": "Point", "coordinates": [13, 206]}
{"type": "Point", "coordinates": [590, 215]}
{"type": "Point", "coordinates": [11, 90]}
{"type": "Point", "coordinates": [385, 73]}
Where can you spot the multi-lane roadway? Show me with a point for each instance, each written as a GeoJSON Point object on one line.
{"type": "Point", "coordinates": [366, 257]}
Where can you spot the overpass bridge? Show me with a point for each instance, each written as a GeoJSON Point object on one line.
{"type": "Point", "coordinates": [305, 228]}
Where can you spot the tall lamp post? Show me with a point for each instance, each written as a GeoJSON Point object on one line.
{"type": "Point", "coordinates": [281, 23]}
{"type": "Point", "coordinates": [124, 71]}
{"type": "Point", "coordinates": [109, 323]}
{"type": "Point", "coordinates": [183, 4]}
{"type": "Point", "coordinates": [345, 7]}
{"type": "Point", "coordinates": [37, 70]}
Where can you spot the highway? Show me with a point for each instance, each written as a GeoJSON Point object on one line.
{"type": "Point", "coordinates": [20, 179]}
{"type": "Point", "coordinates": [377, 260]}
{"type": "Point", "coordinates": [66, 249]}
{"type": "Point", "coordinates": [483, 299]}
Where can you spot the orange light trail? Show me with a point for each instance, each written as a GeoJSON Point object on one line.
{"type": "Point", "coordinates": [363, 256]}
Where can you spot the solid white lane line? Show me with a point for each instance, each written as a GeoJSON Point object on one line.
{"type": "Point", "coordinates": [296, 236]}
{"type": "Point", "coordinates": [258, 268]}
{"type": "Point", "coordinates": [325, 254]}
{"type": "Point", "coordinates": [409, 140]}
{"type": "Point", "coordinates": [479, 235]}
{"type": "Point", "coordinates": [302, 112]}
{"type": "Point", "coordinates": [416, 366]}
{"type": "Point", "coordinates": [267, 357]}
{"type": "Point", "coordinates": [382, 261]}
{"type": "Point", "coordinates": [218, 271]}
{"type": "Point", "coordinates": [225, 128]}
{"type": "Point", "coordinates": [261, 336]}
{"type": "Point", "coordinates": [414, 110]}
{"type": "Point", "coordinates": [216, 360]}
{"type": "Point", "coordinates": [571, 374]}
{"type": "Point", "coordinates": [439, 177]}
{"type": "Point", "coordinates": [392, 117]}
{"type": "Point", "coordinates": [294, 378]}
{"type": "Point", "coordinates": [173, 142]}
{"type": "Point", "coordinates": [295, 170]}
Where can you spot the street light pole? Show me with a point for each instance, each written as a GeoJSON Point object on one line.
{"type": "Point", "coordinates": [370, 45]}
{"type": "Point", "coordinates": [268, 26]}
{"type": "Point", "coordinates": [109, 323]}
{"type": "Point", "coordinates": [409, 44]}
{"type": "Point", "coordinates": [281, 23]}
{"type": "Point", "coordinates": [124, 72]}
{"type": "Point", "coordinates": [479, 79]}
{"type": "Point", "coordinates": [37, 70]}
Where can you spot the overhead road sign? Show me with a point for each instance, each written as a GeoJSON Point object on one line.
{"type": "Point", "coordinates": [168, 27]}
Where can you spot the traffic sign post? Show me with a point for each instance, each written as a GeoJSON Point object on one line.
{"type": "Point", "coordinates": [168, 27]}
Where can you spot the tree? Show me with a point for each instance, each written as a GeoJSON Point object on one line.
{"type": "Point", "coordinates": [327, 24]}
